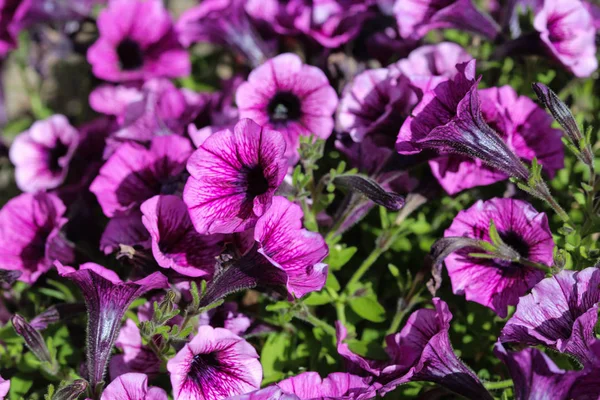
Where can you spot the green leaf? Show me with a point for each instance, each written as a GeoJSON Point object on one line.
{"type": "Point", "coordinates": [317, 299]}
{"type": "Point", "coordinates": [368, 308]}
{"type": "Point", "coordinates": [339, 255]}
{"type": "Point", "coordinates": [273, 352]}
{"type": "Point", "coordinates": [332, 282]}
{"type": "Point", "coordinates": [494, 235]}
{"type": "Point", "coordinates": [19, 386]}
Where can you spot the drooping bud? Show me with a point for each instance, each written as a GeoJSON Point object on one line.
{"type": "Point", "coordinates": [371, 189]}
{"type": "Point", "coordinates": [71, 391]}
{"type": "Point", "coordinates": [33, 339]}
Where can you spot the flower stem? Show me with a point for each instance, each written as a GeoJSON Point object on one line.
{"type": "Point", "coordinates": [306, 316]}
{"type": "Point", "coordinates": [505, 384]}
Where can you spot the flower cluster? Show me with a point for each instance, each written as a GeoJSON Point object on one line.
{"type": "Point", "coordinates": [186, 195]}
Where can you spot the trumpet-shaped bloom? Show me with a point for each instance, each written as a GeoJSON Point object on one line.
{"type": "Point", "coordinates": [175, 242]}
{"type": "Point", "coordinates": [560, 313]}
{"type": "Point", "coordinates": [135, 173]}
{"type": "Point", "coordinates": [137, 42]}
{"type": "Point", "coordinates": [41, 155]}
{"type": "Point", "coordinates": [215, 364]}
{"type": "Point", "coordinates": [132, 387]}
{"type": "Point", "coordinates": [497, 283]}
{"type": "Point", "coordinates": [567, 30]}
{"type": "Point", "coordinates": [30, 237]}
{"type": "Point", "coordinates": [421, 351]}
{"type": "Point", "coordinates": [234, 175]}
{"type": "Point", "coordinates": [376, 102]}
{"type": "Point", "coordinates": [416, 17]}
{"type": "Point", "coordinates": [107, 298]}
{"type": "Point", "coordinates": [293, 98]}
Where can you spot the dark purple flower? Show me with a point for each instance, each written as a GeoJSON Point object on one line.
{"type": "Point", "coordinates": [222, 22]}
{"type": "Point", "coordinates": [417, 17]}
{"type": "Point", "coordinates": [175, 242]}
{"type": "Point", "coordinates": [560, 313]}
{"type": "Point", "coordinates": [216, 364]}
{"type": "Point", "coordinates": [12, 13]}
{"type": "Point", "coordinates": [421, 351]}
{"type": "Point", "coordinates": [132, 387]}
{"type": "Point", "coordinates": [42, 154]}
{"type": "Point", "coordinates": [288, 96]}
{"type": "Point", "coordinates": [30, 235]}
{"type": "Point", "coordinates": [107, 298]}
{"type": "Point", "coordinates": [125, 229]}
{"type": "Point", "coordinates": [33, 340]}
{"type": "Point", "coordinates": [136, 356]}
{"type": "Point", "coordinates": [234, 175]}
{"type": "Point", "coordinates": [137, 42]}
{"type": "Point", "coordinates": [567, 30]}
{"type": "Point", "coordinates": [135, 173]}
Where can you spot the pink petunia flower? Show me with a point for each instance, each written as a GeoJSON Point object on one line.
{"type": "Point", "coordinates": [4, 387]}
{"type": "Point", "coordinates": [498, 284]}
{"type": "Point", "coordinates": [136, 356]}
{"type": "Point", "coordinates": [135, 173]}
{"type": "Point", "coordinates": [567, 29]}
{"type": "Point", "coordinates": [137, 42]}
{"type": "Point", "coordinates": [234, 175]}
{"type": "Point", "coordinates": [215, 364]}
{"type": "Point", "coordinates": [293, 98]}
{"type": "Point", "coordinates": [42, 154]}
{"type": "Point", "coordinates": [30, 235]}
{"type": "Point", "coordinates": [132, 387]}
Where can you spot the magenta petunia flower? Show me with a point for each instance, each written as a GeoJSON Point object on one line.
{"type": "Point", "coordinates": [4, 387]}
{"type": "Point", "coordinates": [594, 10]}
{"type": "Point", "coordinates": [135, 173]}
{"type": "Point", "coordinates": [136, 356]}
{"type": "Point", "coordinates": [560, 313]}
{"type": "Point", "coordinates": [137, 42]}
{"type": "Point", "coordinates": [496, 283]}
{"type": "Point", "coordinates": [421, 351]}
{"type": "Point", "coordinates": [132, 387]}
{"type": "Point", "coordinates": [175, 242]}
{"type": "Point", "coordinates": [41, 154]}
{"type": "Point", "coordinates": [376, 102]}
{"type": "Point", "coordinates": [417, 17]}
{"type": "Point", "coordinates": [30, 235]}
{"type": "Point", "coordinates": [234, 175]}
{"type": "Point", "coordinates": [12, 14]}
{"type": "Point", "coordinates": [222, 22]}
{"type": "Point", "coordinates": [293, 98]}
{"type": "Point", "coordinates": [226, 316]}
{"type": "Point", "coordinates": [567, 30]}
{"type": "Point", "coordinates": [107, 298]}
{"type": "Point", "coordinates": [310, 386]}
{"type": "Point", "coordinates": [215, 364]}
{"type": "Point", "coordinates": [125, 229]}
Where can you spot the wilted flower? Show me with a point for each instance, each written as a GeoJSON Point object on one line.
{"type": "Point", "coordinates": [30, 237]}
{"type": "Point", "coordinates": [293, 98]}
{"type": "Point", "coordinates": [567, 30]}
{"type": "Point", "coordinates": [310, 386]}
{"type": "Point", "coordinates": [132, 387]}
{"type": "Point", "coordinates": [417, 17]}
{"type": "Point", "coordinates": [135, 173]}
{"type": "Point", "coordinates": [222, 22]}
{"type": "Point", "coordinates": [234, 175]}
{"type": "Point", "coordinates": [497, 283]}
{"type": "Point", "coordinates": [136, 356]}
{"type": "Point", "coordinates": [175, 242]}
{"type": "Point", "coordinates": [421, 351]}
{"type": "Point", "coordinates": [107, 298]}
{"type": "Point", "coordinates": [560, 313]}
{"type": "Point", "coordinates": [41, 154]}
{"type": "Point", "coordinates": [215, 364]}
{"type": "Point", "coordinates": [137, 42]}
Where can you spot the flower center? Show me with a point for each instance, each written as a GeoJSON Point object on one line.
{"type": "Point", "coordinates": [203, 367]}
{"type": "Point", "coordinates": [130, 54]}
{"type": "Point", "coordinates": [257, 182]}
{"type": "Point", "coordinates": [515, 241]}
{"type": "Point", "coordinates": [56, 153]}
{"type": "Point", "coordinates": [284, 106]}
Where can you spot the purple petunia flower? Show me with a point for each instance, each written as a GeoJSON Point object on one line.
{"type": "Point", "coordinates": [107, 298]}
{"type": "Point", "coordinates": [560, 313]}
{"type": "Point", "coordinates": [310, 386]}
{"type": "Point", "coordinates": [12, 14]}
{"type": "Point", "coordinates": [226, 316]}
{"type": "Point", "coordinates": [125, 229]}
{"type": "Point", "coordinates": [376, 102]}
{"type": "Point", "coordinates": [497, 283]}
{"type": "Point", "coordinates": [135, 173]}
{"type": "Point", "coordinates": [41, 155]}
{"type": "Point", "coordinates": [137, 42]}
{"type": "Point", "coordinates": [293, 98]}
{"type": "Point", "coordinates": [421, 351]}
{"type": "Point", "coordinates": [222, 22]}
{"type": "Point", "coordinates": [234, 175]}
{"type": "Point", "coordinates": [132, 387]}
{"type": "Point", "coordinates": [30, 237]}
{"type": "Point", "coordinates": [175, 242]}
{"type": "Point", "coordinates": [215, 364]}
{"type": "Point", "coordinates": [567, 30]}
{"type": "Point", "coordinates": [136, 356]}
{"type": "Point", "coordinates": [417, 17]}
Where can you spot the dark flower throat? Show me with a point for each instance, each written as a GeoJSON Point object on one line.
{"type": "Point", "coordinates": [130, 55]}
{"type": "Point", "coordinates": [283, 107]}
